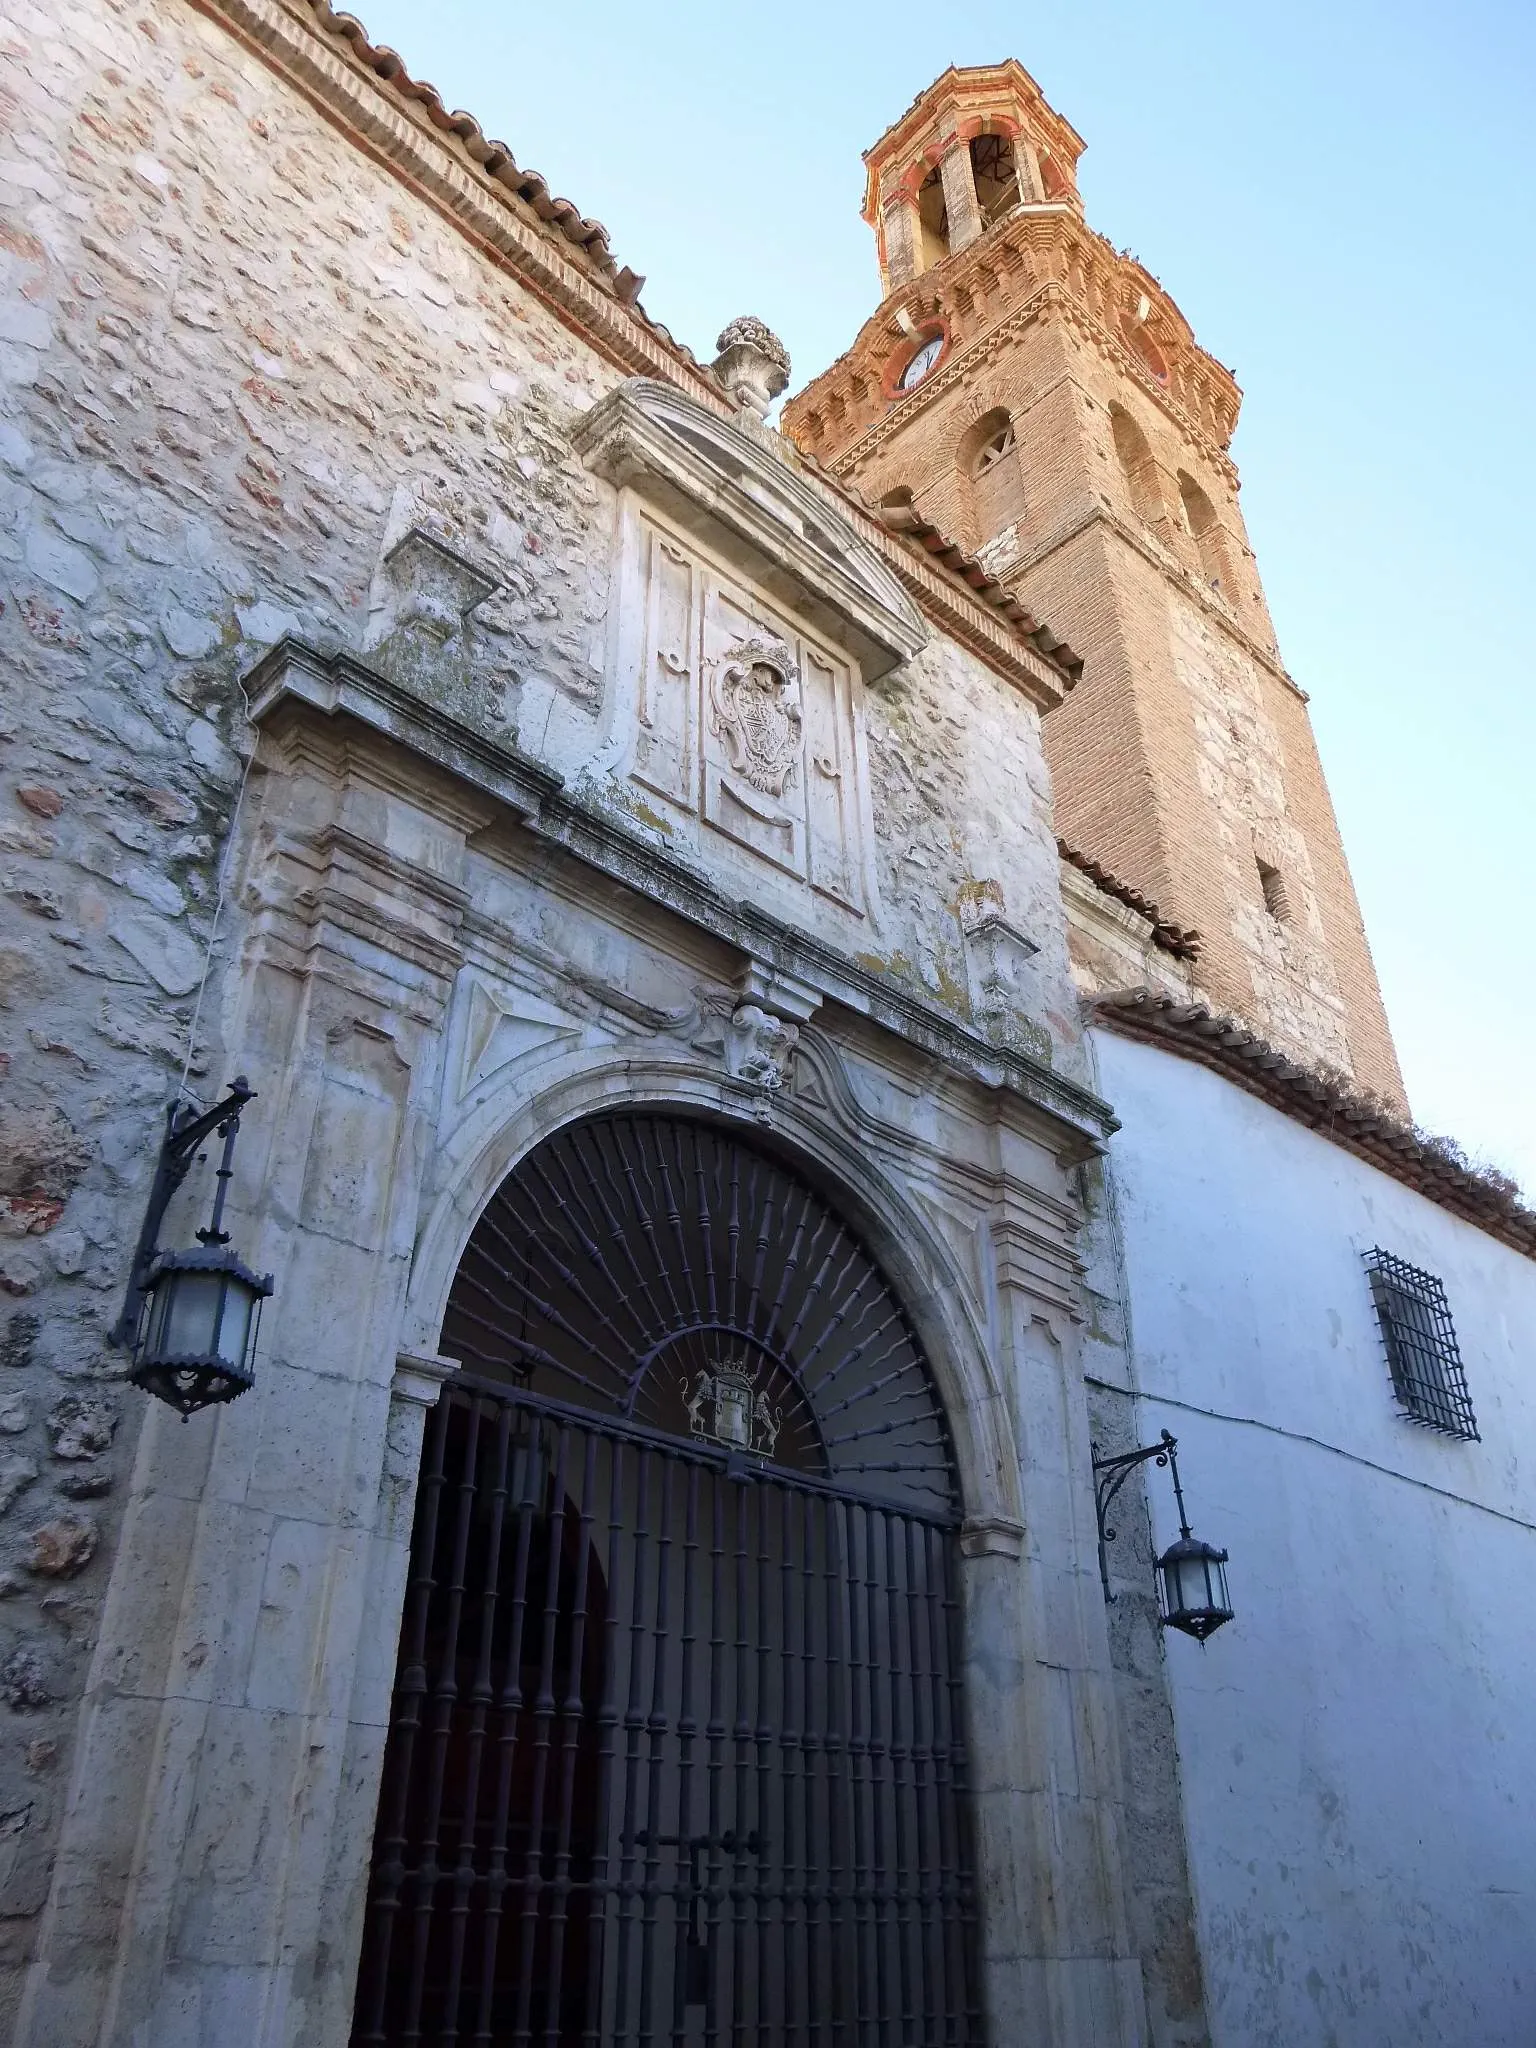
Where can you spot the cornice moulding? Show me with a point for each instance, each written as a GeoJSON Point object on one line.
{"type": "Point", "coordinates": [294, 686]}
{"type": "Point", "coordinates": [1051, 294]}
{"type": "Point", "coordinates": [711, 475]}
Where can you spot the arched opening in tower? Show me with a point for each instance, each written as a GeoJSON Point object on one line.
{"type": "Point", "coordinates": [933, 218]}
{"type": "Point", "coordinates": [995, 170]}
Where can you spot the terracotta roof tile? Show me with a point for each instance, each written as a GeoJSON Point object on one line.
{"type": "Point", "coordinates": [494, 158]}
{"type": "Point", "coordinates": [1432, 1167]}
{"type": "Point", "coordinates": [902, 517]}
{"type": "Point", "coordinates": [1174, 939]}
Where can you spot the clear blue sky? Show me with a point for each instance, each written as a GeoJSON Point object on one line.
{"type": "Point", "coordinates": [1340, 196]}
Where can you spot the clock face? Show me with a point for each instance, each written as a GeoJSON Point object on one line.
{"type": "Point", "coordinates": [922, 362]}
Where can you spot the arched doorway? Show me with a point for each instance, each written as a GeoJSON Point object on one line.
{"type": "Point", "coordinates": [676, 1750]}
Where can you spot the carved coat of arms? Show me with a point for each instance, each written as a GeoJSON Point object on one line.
{"type": "Point", "coordinates": [728, 1406]}
{"type": "Point", "coordinates": [756, 693]}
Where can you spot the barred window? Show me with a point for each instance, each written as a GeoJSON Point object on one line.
{"type": "Point", "coordinates": [1420, 1338]}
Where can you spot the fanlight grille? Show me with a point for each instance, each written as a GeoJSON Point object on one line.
{"type": "Point", "coordinates": [657, 1269]}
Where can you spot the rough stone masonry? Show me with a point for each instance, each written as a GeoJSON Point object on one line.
{"type": "Point", "coordinates": [238, 365]}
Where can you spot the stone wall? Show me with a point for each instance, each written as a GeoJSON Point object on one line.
{"type": "Point", "coordinates": [240, 365]}
{"type": "Point", "coordinates": [233, 364]}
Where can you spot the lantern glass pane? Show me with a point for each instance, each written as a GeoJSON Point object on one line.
{"type": "Point", "coordinates": [1186, 1584]}
{"type": "Point", "coordinates": [234, 1320]}
{"type": "Point", "coordinates": [1219, 1596]}
{"type": "Point", "coordinates": [199, 1315]}
{"type": "Point", "coordinates": [190, 1322]}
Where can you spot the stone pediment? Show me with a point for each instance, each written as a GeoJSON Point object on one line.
{"type": "Point", "coordinates": [727, 486]}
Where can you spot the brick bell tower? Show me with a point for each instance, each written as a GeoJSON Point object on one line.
{"type": "Point", "coordinates": [1038, 397]}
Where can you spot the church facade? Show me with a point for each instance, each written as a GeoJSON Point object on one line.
{"type": "Point", "coordinates": [732, 1153]}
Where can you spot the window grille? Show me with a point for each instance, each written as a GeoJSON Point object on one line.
{"type": "Point", "coordinates": [1002, 443]}
{"type": "Point", "coordinates": [1420, 1340]}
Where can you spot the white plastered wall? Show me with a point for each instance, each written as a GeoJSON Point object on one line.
{"type": "Point", "coordinates": [1358, 1746]}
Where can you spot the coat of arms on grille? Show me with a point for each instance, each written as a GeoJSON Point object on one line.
{"type": "Point", "coordinates": [757, 713]}
{"type": "Point", "coordinates": [728, 1406]}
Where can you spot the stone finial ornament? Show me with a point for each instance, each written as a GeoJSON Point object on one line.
{"type": "Point", "coordinates": [752, 364]}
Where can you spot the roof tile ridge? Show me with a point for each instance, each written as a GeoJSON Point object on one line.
{"type": "Point", "coordinates": [561, 216]}
{"type": "Point", "coordinates": [1182, 943]}
{"type": "Point", "coordinates": [906, 523]}
{"type": "Point", "coordinates": [1325, 1100]}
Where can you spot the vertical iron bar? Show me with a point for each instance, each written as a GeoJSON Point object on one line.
{"type": "Point", "coordinates": [608, 1725]}
{"type": "Point", "coordinates": [687, 1730]}
{"type": "Point", "coordinates": [410, 1694]}
{"type": "Point", "coordinates": [481, 1695]}
{"type": "Point", "coordinates": [444, 1699]}
{"type": "Point", "coordinates": [908, 1930]}
{"type": "Point", "coordinates": [760, 1819]}
{"type": "Point", "coordinates": [715, 1734]}
{"type": "Point", "coordinates": [742, 1737]}
{"type": "Point", "coordinates": [543, 1717]}
{"type": "Point", "coordinates": [952, 1985]}
{"type": "Point", "coordinates": [656, 1726]}
{"type": "Point", "coordinates": [879, 1774]}
{"type": "Point", "coordinates": [839, 1773]}
{"type": "Point", "coordinates": [509, 1717]}
{"type": "Point", "coordinates": [955, 1972]}
{"type": "Point", "coordinates": [634, 1723]}
{"type": "Point", "coordinates": [925, 1820]}
{"type": "Point", "coordinates": [816, 1784]}
{"type": "Point", "coordinates": [572, 1710]}
{"type": "Point", "coordinates": [794, 1713]}
{"type": "Point", "coordinates": [858, 1782]}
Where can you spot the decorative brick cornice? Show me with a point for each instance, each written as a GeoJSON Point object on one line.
{"type": "Point", "coordinates": [1325, 1104]}
{"type": "Point", "coordinates": [1070, 268]}
{"type": "Point", "coordinates": [1191, 587]}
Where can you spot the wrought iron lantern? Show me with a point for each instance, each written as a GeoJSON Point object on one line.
{"type": "Point", "coordinates": [1191, 1575]}
{"type": "Point", "coordinates": [192, 1316]}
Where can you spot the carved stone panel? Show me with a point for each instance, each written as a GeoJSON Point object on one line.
{"type": "Point", "coordinates": [744, 720]}
{"type": "Point", "coordinates": [665, 747]}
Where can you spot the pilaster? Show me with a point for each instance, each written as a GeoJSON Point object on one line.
{"type": "Point", "coordinates": [960, 202]}
{"type": "Point", "coordinates": [901, 243]}
{"type": "Point", "coordinates": [208, 1885]}
{"type": "Point", "coordinates": [1059, 1961]}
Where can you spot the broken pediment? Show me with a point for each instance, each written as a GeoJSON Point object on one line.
{"type": "Point", "coordinates": [726, 485]}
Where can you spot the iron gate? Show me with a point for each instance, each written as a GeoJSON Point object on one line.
{"type": "Point", "coordinates": [676, 1752]}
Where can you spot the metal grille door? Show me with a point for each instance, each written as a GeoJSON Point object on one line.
{"type": "Point", "coordinates": [676, 1753]}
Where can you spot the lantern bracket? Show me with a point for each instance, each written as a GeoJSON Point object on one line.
{"type": "Point", "coordinates": [1110, 1474]}
{"type": "Point", "coordinates": [185, 1131]}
